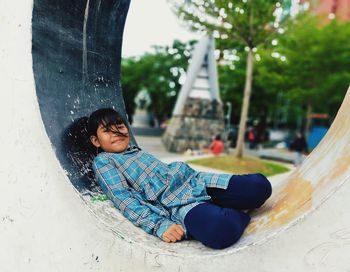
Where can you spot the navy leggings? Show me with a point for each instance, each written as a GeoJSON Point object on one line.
{"type": "Point", "coordinates": [220, 223]}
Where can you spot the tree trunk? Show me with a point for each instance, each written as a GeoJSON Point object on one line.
{"type": "Point", "coordinates": [245, 106]}
{"type": "Point", "coordinates": [308, 118]}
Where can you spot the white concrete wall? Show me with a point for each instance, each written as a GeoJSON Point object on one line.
{"type": "Point", "coordinates": [46, 226]}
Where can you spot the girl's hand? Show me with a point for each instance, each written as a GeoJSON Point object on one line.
{"type": "Point", "coordinates": [173, 234]}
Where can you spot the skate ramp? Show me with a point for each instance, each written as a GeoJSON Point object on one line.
{"type": "Point", "coordinates": [50, 220]}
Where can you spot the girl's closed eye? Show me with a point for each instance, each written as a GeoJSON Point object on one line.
{"type": "Point", "coordinates": [108, 131]}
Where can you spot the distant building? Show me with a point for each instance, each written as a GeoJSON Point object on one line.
{"type": "Point", "coordinates": [331, 9]}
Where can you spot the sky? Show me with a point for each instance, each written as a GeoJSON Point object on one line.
{"type": "Point", "coordinates": [151, 22]}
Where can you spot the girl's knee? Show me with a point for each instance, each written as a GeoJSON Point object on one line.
{"type": "Point", "coordinates": [227, 231]}
{"type": "Point", "coordinates": [265, 186]}
{"type": "Point", "coordinates": [263, 189]}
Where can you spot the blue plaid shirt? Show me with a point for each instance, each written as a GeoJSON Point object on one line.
{"type": "Point", "coordinates": [151, 194]}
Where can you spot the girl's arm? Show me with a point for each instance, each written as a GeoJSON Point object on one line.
{"type": "Point", "coordinates": [127, 200]}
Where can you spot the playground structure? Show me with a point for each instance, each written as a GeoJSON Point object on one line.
{"type": "Point", "coordinates": [48, 219]}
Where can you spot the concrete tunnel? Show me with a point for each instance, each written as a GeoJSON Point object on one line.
{"type": "Point", "coordinates": [59, 61]}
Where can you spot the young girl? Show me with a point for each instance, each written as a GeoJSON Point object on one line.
{"type": "Point", "coordinates": [171, 201]}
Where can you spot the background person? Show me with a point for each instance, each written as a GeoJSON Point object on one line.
{"type": "Point", "coordinates": [217, 146]}
{"type": "Point", "coordinates": [299, 146]}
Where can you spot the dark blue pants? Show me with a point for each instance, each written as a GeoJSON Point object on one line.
{"type": "Point", "coordinates": [220, 223]}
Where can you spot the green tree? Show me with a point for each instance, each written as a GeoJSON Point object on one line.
{"type": "Point", "coordinates": [316, 71]}
{"type": "Point", "coordinates": [232, 65]}
{"type": "Point", "coordinates": [159, 74]}
{"type": "Point", "coordinates": [247, 22]}
{"type": "Point", "coordinates": [131, 76]}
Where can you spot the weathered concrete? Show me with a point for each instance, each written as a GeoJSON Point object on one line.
{"type": "Point", "coordinates": [46, 225]}
{"type": "Point", "coordinates": [76, 52]}
{"type": "Point", "coordinates": [200, 121]}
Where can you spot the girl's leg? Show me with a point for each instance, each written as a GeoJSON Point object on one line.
{"type": "Point", "coordinates": [214, 226]}
{"type": "Point", "coordinates": [243, 192]}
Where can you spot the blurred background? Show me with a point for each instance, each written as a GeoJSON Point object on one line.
{"type": "Point", "coordinates": [300, 66]}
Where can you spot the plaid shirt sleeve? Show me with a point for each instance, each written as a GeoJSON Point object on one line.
{"type": "Point", "coordinates": [126, 199]}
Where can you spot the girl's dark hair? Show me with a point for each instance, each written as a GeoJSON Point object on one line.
{"type": "Point", "coordinates": [106, 117]}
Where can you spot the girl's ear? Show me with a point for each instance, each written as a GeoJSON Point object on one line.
{"type": "Point", "coordinates": [94, 140]}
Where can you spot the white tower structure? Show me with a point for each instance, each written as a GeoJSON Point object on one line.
{"type": "Point", "coordinates": [198, 112]}
{"type": "Point", "coordinates": [202, 78]}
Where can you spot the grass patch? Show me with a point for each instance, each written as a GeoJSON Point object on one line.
{"type": "Point", "coordinates": [246, 165]}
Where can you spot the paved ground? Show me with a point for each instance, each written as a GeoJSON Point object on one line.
{"type": "Point", "coordinates": [153, 145]}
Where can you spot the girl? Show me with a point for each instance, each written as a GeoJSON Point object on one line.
{"type": "Point", "coordinates": [171, 201]}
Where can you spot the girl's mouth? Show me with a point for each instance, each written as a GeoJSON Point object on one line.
{"type": "Point", "coordinates": [117, 141]}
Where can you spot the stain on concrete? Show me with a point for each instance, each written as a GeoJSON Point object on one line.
{"type": "Point", "coordinates": [294, 199]}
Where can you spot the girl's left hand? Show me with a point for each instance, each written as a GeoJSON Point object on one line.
{"type": "Point", "coordinates": [173, 234]}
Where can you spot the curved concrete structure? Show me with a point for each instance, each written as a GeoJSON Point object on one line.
{"type": "Point", "coordinates": [47, 224]}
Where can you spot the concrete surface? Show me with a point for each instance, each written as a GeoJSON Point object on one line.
{"type": "Point", "coordinates": [46, 225]}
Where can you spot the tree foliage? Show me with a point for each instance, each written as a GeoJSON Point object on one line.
{"type": "Point", "coordinates": [316, 70]}
{"type": "Point", "coordinates": [159, 74]}
{"type": "Point", "coordinates": [309, 62]}
{"type": "Point", "coordinates": [247, 22]}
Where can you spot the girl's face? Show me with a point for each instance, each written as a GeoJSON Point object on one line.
{"type": "Point", "coordinates": [110, 141]}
